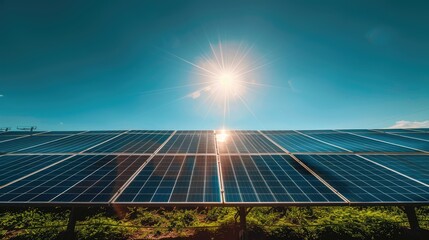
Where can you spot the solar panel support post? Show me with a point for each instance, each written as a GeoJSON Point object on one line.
{"type": "Point", "coordinates": [412, 218]}
{"type": "Point", "coordinates": [70, 232]}
{"type": "Point", "coordinates": [243, 234]}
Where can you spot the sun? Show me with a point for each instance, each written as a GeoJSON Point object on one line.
{"type": "Point", "coordinates": [225, 75]}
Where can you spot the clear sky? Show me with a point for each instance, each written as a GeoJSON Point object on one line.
{"type": "Point", "coordinates": [67, 65]}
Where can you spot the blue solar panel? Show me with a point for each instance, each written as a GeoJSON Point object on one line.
{"type": "Point", "coordinates": [422, 136]}
{"type": "Point", "coordinates": [358, 144]}
{"type": "Point", "coordinates": [190, 143]}
{"type": "Point", "coordinates": [13, 167]}
{"type": "Point", "coordinates": [75, 143]}
{"type": "Point", "coordinates": [19, 133]}
{"type": "Point", "coordinates": [295, 142]}
{"type": "Point", "coordinates": [246, 143]}
{"type": "Point", "coordinates": [361, 181]}
{"type": "Point", "coordinates": [271, 178]}
{"type": "Point", "coordinates": [415, 166]}
{"type": "Point", "coordinates": [89, 179]}
{"type": "Point", "coordinates": [402, 141]}
{"type": "Point", "coordinates": [175, 179]}
{"type": "Point", "coordinates": [132, 143]}
{"type": "Point", "coordinates": [8, 137]}
{"type": "Point", "coordinates": [25, 142]}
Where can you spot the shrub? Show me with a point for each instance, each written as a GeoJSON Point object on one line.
{"type": "Point", "coordinates": [101, 227]}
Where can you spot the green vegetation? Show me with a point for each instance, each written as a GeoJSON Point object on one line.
{"type": "Point", "coordinates": [212, 223]}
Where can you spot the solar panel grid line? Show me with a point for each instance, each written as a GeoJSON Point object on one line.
{"type": "Point", "coordinates": [240, 194]}
{"type": "Point", "coordinates": [219, 169]}
{"type": "Point", "coordinates": [262, 177]}
{"type": "Point", "coordinates": [136, 173]}
{"type": "Point", "coordinates": [108, 140]}
{"type": "Point", "coordinates": [11, 171]}
{"type": "Point", "coordinates": [309, 170]}
{"type": "Point", "coordinates": [42, 169]}
{"type": "Point", "coordinates": [22, 136]}
{"type": "Point", "coordinates": [347, 150]}
{"type": "Point", "coordinates": [364, 182]}
{"type": "Point", "coordinates": [177, 178]}
{"type": "Point", "coordinates": [52, 185]}
{"type": "Point", "coordinates": [165, 173]}
{"type": "Point", "coordinates": [132, 143]}
{"type": "Point", "coordinates": [397, 172]}
{"type": "Point", "coordinates": [37, 171]}
{"type": "Point", "coordinates": [84, 167]}
{"type": "Point", "coordinates": [65, 137]}
{"type": "Point", "coordinates": [68, 144]}
{"type": "Point", "coordinates": [401, 135]}
{"type": "Point", "coordinates": [356, 185]}
{"type": "Point", "coordinates": [411, 148]}
{"type": "Point", "coordinates": [97, 181]}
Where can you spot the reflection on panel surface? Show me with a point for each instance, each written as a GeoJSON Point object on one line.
{"type": "Point", "coordinates": [358, 144]}
{"type": "Point", "coordinates": [89, 178]}
{"type": "Point", "coordinates": [415, 166]}
{"type": "Point", "coordinates": [175, 179]}
{"type": "Point", "coordinates": [360, 180]}
{"type": "Point", "coordinates": [271, 178]}
{"type": "Point", "coordinates": [13, 167]}
{"type": "Point", "coordinates": [132, 143]}
{"type": "Point", "coordinates": [245, 143]}
{"type": "Point", "coordinates": [190, 143]}
{"type": "Point", "coordinates": [295, 142]}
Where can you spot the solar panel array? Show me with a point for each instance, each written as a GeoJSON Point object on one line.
{"type": "Point", "coordinates": [149, 167]}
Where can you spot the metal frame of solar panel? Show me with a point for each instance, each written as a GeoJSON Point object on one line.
{"type": "Point", "coordinates": [189, 168]}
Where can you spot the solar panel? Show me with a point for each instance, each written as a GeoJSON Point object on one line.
{"type": "Point", "coordinates": [190, 143]}
{"type": "Point", "coordinates": [415, 166]}
{"type": "Point", "coordinates": [236, 167]}
{"type": "Point", "coordinates": [246, 143]}
{"type": "Point", "coordinates": [169, 179]}
{"type": "Point", "coordinates": [26, 142]}
{"type": "Point", "coordinates": [421, 136]}
{"type": "Point", "coordinates": [75, 143]}
{"type": "Point", "coordinates": [88, 179]}
{"type": "Point", "coordinates": [295, 143]}
{"type": "Point", "coordinates": [19, 133]}
{"type": "Point", "coordinates": [414, 144]}
{"type": "Point", "coordinates": [271, 178]}
{"type": "Point", "coordinates": [361, 181]}
{"type": "Point", "coordinates": [358, 144]}
{"type": "Point", "coordinates": [132, 143]}
{"type": "Point", "coordinates": [13, 167]}
{"type": "Point", "coordinates": [8, 137]}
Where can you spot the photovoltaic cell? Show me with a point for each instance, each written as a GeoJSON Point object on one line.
{"type": "Point", "coordinates": [132, 143]}
{"type": "Point", "coordinates": [402, 141]}
{"type": "Point", "coordinates": [13, 167]}
{"type": "Point", "coordinates": [361, 181]}
{"type": "Point", "coordinates": [88, 179]}
{"type": "Point", "coordinates": [8, 137]}
{"type": "Point", "coordinates": [75, 143]}
{"type": "Point", "coordinates": [21, 143]}
{"type": "Point", "coordinates": [422, 136]}
{"type": "Point", "coordinates": [415, 166]}
{"type": "Point", "coordinates": [246, 143]}
{"type": "Point", "coordinates": [271, 178]}
{"type": "Point", "coordinates": [295, 142]}
{"type": "Point", "coordinates": [190, 143]}
{"type": "Point", "coordinates": [175, 179]}
{"type": "Point", "coordinates": [358, 144]}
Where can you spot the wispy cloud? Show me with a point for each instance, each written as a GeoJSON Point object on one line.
{"type": "Point", "coordinates": [1, 95]}
{"type": "Point", "coordinates": [197, 94]}
{"type": "Point", "coordinates": [411, 124]}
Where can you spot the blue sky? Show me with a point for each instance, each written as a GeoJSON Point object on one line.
{"type": "Point", "coordinates": [67, 65]}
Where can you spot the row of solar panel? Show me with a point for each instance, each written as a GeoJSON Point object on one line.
{"type": "Point", "coordinates": [266, 179]}
{"type": "Point", "coordinates": [203, 142]}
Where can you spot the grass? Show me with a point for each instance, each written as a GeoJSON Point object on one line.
{"type": "Point", "coordinates": [310, 223]}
